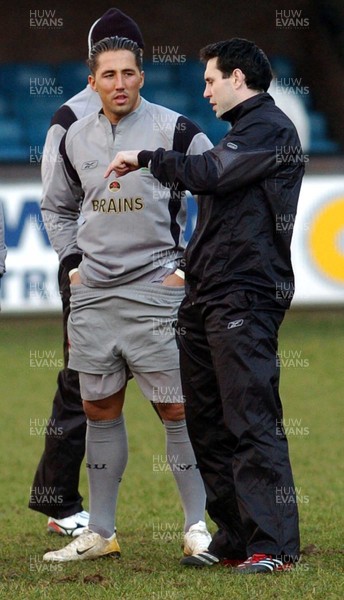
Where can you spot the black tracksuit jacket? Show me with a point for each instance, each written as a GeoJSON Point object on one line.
{"type": "Point", "coordinates": [248, 188]}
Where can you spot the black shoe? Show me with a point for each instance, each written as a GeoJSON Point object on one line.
{"type": "Point", "coordinates": [203, 559]}
{"type": "Point", "coordinates": [262, 563]}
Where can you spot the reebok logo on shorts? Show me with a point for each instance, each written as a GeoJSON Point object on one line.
{"type": "Point", "coordinates": [233, 324]}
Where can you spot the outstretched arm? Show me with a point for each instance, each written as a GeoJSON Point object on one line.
{"type": "Point", "coordinates": [236, 161]}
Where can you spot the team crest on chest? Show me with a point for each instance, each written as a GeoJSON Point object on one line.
{"type": "Point", "coordinates": [114, 185]}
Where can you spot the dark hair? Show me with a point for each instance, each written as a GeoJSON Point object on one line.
{"type": "Point", "coordinates": [239, 53]}
{"type": "Point", "coordinates": [114, 43]}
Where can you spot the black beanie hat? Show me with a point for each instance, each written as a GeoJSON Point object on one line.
{"type": "Point", "coordinates": [114, 22]}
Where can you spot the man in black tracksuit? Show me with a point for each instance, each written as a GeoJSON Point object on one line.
{"type": "Point", "coordinates": [239, 282]}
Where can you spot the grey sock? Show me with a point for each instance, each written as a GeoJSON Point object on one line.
{"type": "Point", "coordinates": [182, 460]}
{"type": "Point", "coordinates": [106, 459]}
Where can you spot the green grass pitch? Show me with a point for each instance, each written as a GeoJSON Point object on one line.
{"type": "Point", "coordinates": [149, 518]}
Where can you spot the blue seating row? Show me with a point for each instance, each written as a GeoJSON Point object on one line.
{"type": "Point", "coordinates": [31, 92]}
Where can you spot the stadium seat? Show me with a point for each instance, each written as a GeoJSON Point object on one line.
{"type": "Point", "coordinates": [10, 131]}
{"type": "Point", "coordinates": [5, 108]}
{"type": "Point", "coordinates": [13, 154]}
{"type": "Point", "coordinates": [191, 78]}
{"type": "Point", "coordinates": [13, 146]}
{"type": "Point", "coordinates": [36, 131]}
{"type": "Point", "coordinates": [160, 75]}
{"type": "Point", "coordinates": [320, 142]}
{"type": "Point", "coordinates": [18, 78]}
{"type": "Point", "coordinates": [36, 107]}
{"type": "Point", "coordinates": [30, 93]}
{"type": "Point", "coordinates": [214, 128]}
{"type": "Point", "coordinates": [177, 100]}
{"type": "Point", "coordinates": [283, 67]}
{"type": "Point", "coordinates": [191, 73]}
{"type": "Point", "coordinates": [72, 76]}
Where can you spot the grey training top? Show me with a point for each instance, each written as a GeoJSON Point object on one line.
{"type": "Point", "coordinates": [130, 225]}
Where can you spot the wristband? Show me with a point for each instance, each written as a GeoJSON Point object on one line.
{"type": "Point", "coordinates": [180, 273]}
{"type": "Point", "coordinates": [71, 272]}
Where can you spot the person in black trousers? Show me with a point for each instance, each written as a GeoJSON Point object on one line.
{"type": "Point", "coordinates": [239, 283]}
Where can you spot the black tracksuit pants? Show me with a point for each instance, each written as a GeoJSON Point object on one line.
{"type": "Point", "coordinates": [54, 490]}
{"type": "Point", "coordinates": [230, 377]}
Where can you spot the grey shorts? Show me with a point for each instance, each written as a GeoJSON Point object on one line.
{"type": "Point", "coordinates": [130, 327]}
{"type": "Point", "coordinates": [161, 386]}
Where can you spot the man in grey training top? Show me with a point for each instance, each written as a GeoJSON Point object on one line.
{"type": "Point", "coordinates": [122, 259]}
{"type": "Point", "coordinates": [59, 465]}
